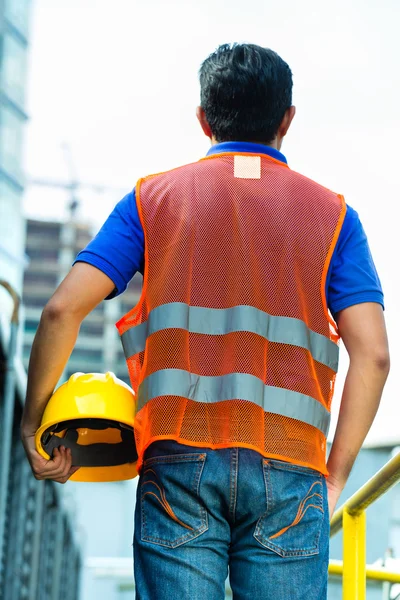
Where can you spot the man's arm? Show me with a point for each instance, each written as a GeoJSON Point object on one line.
{"type": "Point", "coordinates": [80, 292]}
{"type": "Point", "coordinates": [362, 328]}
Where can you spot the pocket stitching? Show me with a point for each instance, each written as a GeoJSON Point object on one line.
{"type": "Point", "coordinates": [268, 487]}
{"type": "Point", "coordinates": [268, 499]}
{"type": "Point", "coordinates": [287, 553]}
{"type": "Point", "coordinates": [293, 468]}
{"type": "Point", "coordinates": [193, 457]}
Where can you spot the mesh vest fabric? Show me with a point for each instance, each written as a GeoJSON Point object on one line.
{"type": "Point", "coordinates": [231, 343]}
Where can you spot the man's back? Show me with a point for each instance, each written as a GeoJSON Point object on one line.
{"type": "Point", "coordinates": [237, 252]}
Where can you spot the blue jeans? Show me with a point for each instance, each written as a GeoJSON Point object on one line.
{"type": "Point", "coordinates": [202, 514]}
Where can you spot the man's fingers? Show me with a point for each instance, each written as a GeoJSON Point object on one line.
{"type": "Point", "coordinates": [68, 463]}
{"type": "Point", "coordinates": [56, 468]}
{"type": "Point", "coordinates": [69, 474]}
{"type": "Point", "coordinates": [57, 460]}
{"type": "Point", "coordinates": [57, 463]}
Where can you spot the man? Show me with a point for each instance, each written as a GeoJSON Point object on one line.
{"type": "Point", "coordinates": [252, 273]}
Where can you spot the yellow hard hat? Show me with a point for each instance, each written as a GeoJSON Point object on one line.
{"type": "Point", "coordinates": [93, 415]}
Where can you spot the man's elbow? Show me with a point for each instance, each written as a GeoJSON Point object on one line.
{"type": "Point", "coordinates": [376, 359]}
{"type": "Point", "coordinates": [381, 359]}
{"type": "Point", "coordinates": [56, 310]}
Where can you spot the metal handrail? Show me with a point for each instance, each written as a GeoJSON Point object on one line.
{"type": "Point", "coordinates": [15, 298]}
{"type": "Point", "coordinates": [378, 485]}
{"type": "Point", "coordinates": [352, 517]}
{"type": "Point", "coordinates": [371, 571]}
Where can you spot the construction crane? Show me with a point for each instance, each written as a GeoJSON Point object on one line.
{"type": "Point", "coordinates": [74, 185]}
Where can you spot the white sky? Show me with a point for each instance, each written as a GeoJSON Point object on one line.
{"type": "Point", "coordinates": [117, 81]}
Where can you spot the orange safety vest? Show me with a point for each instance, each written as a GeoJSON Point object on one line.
{"type": "Point", "coordinates": [231, 343]}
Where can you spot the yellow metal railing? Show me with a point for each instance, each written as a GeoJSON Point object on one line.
{"type": "Point", "coordinates": [351, 516]}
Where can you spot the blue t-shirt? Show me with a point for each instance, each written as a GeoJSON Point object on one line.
{"type": "Point", "coordinates": [118, 248]}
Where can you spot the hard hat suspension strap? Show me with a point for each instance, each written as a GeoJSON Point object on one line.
{"type": "Point", "coordinates": [92, 455]}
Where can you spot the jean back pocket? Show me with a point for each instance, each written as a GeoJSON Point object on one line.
{"type": "Point", "coordinates": [171, 510]}
{"type": "Point", "coordinates": [296, 509]}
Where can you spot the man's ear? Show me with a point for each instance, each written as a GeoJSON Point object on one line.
{"type": "Point", "coordinates": [286, 121]}
{"type": "Point", "coordinates": [201, 116]}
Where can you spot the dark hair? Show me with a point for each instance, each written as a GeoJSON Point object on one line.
{"type": "Point", "coordinates": [245, 92]}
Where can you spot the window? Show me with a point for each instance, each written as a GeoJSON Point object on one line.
{"type": "Point", "coordinates": [43, 254]}
{"type": "Point", "coordinates": [36, 301]}
{"type": "Point", "coordinates": [82, 240]}
{"type": "Point", "coordinates": [11, 130]}
{"type": "Point", "coordinates": [40, 279]}
{"type": "Point", "coordinates": [43, 229]}
{"type": "Point", "coordinates": [121, 356]}
{"type": "Point", "coordinates": [87, 354]}
{"type": "Point", "coordinates": [26, 352]}
{"type": "Point", "coordinates": [99, 310]}
{"type": "Point", "coordinates": [31, 326]}
{"type": "Point", "coordinates": [124, 377]}
{"type": "Point", "coordinates": [12, 230]}
{"type": "Point", "coordinates": [128, 304]}
{"type": "Point", "coordinates": [17, 13]}
{"type": "Point", "coordinates": [92, 328]}
{"type": "Point", "coordinates": [14, 68]}
{"type": "Point", "coordinates": [136, 284]}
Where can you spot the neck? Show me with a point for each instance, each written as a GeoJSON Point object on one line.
{"type": "Point", "coordinates": [276, 143]}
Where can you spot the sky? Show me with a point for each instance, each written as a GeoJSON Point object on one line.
{"type": "Point", "coordinates": [117, 82]}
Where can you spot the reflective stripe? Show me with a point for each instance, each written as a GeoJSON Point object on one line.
{"type": "Point", "coordinates": [220, 321]}
{"type": "Point", "coordinates": [242, 386]}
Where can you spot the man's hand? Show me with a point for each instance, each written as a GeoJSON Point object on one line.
{"type": "Point", "coordinates": [334, 491]}
{"type": "Point", "coordinates": [59, 468]}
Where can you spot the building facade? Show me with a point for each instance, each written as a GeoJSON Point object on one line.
{"type": "Point", "coordinates": [51, 248]}
{"type": "Point", "coordinates": [39, 554]}
{"type": "Point", "coordinates": [14, 28]}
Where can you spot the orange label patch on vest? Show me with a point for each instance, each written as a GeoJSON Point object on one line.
{"type": "Point", "coordinates": [247, 167]}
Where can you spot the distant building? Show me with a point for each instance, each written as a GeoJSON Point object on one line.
{"type": "Point", "coordinates": [14, 24]}
{"type": "Point", "coordinates": [51, 248]}
{"type": "Point", "coordinates": [36, 537]}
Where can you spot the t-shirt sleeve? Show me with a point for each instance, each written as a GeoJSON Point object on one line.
{"type": "Point", "coordinates": [352, 276]}
{"type": "Point", "coordinates": [118, 248]}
